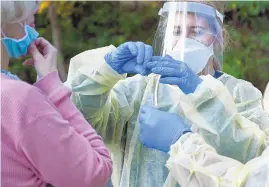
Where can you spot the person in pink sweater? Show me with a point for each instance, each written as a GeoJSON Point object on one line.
{"type": "Point", "coordinates": [44, 139]}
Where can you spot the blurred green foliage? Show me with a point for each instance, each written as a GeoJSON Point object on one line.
{"type": "Point", "coordinates": [248, 54]}
{"type": "Point", "coordinates": [86, 25]}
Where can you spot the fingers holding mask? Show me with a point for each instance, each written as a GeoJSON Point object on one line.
{"type": "Point", "coordinates": [44, 57]}
{"type": "Point", "coordinates": [35, 53]}
{"type": "Point", "coordinates": [45, 47]}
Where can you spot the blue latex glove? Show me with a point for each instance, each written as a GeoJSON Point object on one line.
{"type": "Point", "coordinates": [175, 73]}
{"type": "Point", "coordinates": [159, 129]}
{"type": "Point", "coordinates": [130, 57]}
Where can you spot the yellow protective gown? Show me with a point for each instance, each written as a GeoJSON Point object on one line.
{"type": "Point", "coordinates": [266, 98]}
{"type": "Point", "coordinates": [227, 113]}
{"type": "Point", "coordinates": [194, 163]}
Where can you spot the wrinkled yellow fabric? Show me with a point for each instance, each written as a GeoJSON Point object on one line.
{"type": "Point", "coordinates": [194, 163]}
{"type": "Point", "coordinates": [266, 98]}
{"type": "Point", "coordinates": [226, 112]}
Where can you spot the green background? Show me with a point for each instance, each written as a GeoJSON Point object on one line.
{"type": "Point", "coordinates": [87, 25]}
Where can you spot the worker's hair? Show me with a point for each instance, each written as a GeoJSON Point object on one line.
{"type": "Point", "coordinates": [17, 11]}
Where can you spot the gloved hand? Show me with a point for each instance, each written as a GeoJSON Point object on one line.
{"type": "Point", "coordinates": [159, 129]}
{"type": "Point", "coordinates": [175, 73]}
{"type": "Point", "coordinates": [130, 57]}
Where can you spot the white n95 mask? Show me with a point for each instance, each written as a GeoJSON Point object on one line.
{"type": "Point", "coordinates": [192, 53]}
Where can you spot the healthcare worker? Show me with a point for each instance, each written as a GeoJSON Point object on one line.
{"type": "Point", "coordinates": [225, 111]}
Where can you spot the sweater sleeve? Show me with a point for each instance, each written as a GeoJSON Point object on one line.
{"type": "Point", "coordinates": [62, 147]}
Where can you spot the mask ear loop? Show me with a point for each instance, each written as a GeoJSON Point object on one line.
{"type": "Point", "coordinates": [3, 34]}
{"type": "Point", "coordinates": [23, 24]}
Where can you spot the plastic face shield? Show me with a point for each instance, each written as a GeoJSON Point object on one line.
{"type": "Point", "coordinates": [192, 33]}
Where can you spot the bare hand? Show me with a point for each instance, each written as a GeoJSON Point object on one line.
{"type": "Point", "coordinates": [44, 57]}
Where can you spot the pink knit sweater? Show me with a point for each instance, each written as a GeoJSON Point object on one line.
{"type": "Point", "coordinates": [45, 139]}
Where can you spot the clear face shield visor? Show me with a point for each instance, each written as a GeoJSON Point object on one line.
{"type": "Point", "coordinates": [192, 33]}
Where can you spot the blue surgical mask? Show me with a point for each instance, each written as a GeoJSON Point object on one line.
{"type": "Point", "coordinates": [18, 47]}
